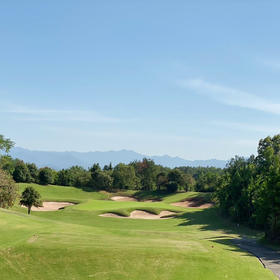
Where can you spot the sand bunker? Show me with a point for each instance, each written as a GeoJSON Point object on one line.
{"type": "Point", "coordinates": [123, 198]}
{"type": "Point", "coordinates": [191, 204]}
{"type": "Point", "coordinates": [51, 206]}
{"type": "Point", "coordinates": [139, 214]}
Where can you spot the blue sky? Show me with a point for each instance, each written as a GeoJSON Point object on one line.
{"type": "Point", "coordinates": [195, 79]}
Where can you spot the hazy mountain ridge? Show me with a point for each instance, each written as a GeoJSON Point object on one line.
{"type": "Point", "coordinates": [59, 160]}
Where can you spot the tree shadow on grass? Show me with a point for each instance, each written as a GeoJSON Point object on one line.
{"type": "Point", "coordinates": [269, 258]}
{"type": "Point", "coordinates": [210, 219]}
{"type": "Point", "coordinates": [157, 195]}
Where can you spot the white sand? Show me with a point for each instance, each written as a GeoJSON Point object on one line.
{"type": "Point", "coordinates": [123, 198]}
{"type": "Point", "coordinates": [51, 206]}
{"type": "Point", "coordinates": [139, 214]}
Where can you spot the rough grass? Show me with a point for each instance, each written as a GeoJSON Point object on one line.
{"type": "Point", "coordinates": [75, 243]}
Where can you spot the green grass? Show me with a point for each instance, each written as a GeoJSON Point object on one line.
{"type": "Point", "coordinates": [62, 193]}
{"type": "Point", "coordinates": [76, 243]}
{"type": "Point", "coordinates": [109, 206]}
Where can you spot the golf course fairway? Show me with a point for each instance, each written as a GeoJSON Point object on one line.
{"type": "Point", "coordinates": [77, 243]}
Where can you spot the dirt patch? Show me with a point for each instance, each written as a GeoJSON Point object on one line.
{"type": "Point", "coordinates": [51, 206]}
{"type": "Point", "coordinates": [123, 198]}
{"type": "Point", "coordinates": [139, 214]}
{"type": "Point", "coordinates": [32, 239]}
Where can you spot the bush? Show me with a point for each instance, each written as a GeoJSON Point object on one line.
{"type": "Point", "coordinates": [8, 190]}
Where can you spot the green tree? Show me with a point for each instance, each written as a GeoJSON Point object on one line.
{"type": "Point", "coordinates": [101, 180]}
{"type": "Point", "coordinates": [161, 180]}
{"type": "Point", "coordinates": [266, 199]}
{"type": "Point", "coordinates": [5, 144]}
{"type": "Point", "coordinates": [249, 190]}
{"type": "Point", "coordinates": [33, 171]}
{"type": "Point", "coordinates": [175, 176]}
{"type": "Point", "coordinates": [8, 190]}
{"type": "Point", "coordinates": [189, 182]}
{"type": "Point", "coordinates": [146, 170]}
{"type": "Point", "coordinates": [64, 178]}
{"type": "Point", "coordinates": [172, 187]}
{"type": "Point", "coordinates": [7, 164]}
{"type": "Point", "coordinates": [75, 176]}
{"type": "Point", "coordinates": [124, 177]}
{"type": "Point", "coordinates": [30, 197]}
{"type": "Point", "coordinates": [45, 176]}
{"type": "Point", "coordinates": [175, 179]}
{"type": "Point", "coordinates": [81, 177]}
{"type": "Point", "coordinates": [21, 172]}
{"type": "Point", "coordinates": [108, 167]}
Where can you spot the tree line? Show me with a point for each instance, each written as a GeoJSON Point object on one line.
{"type": "Point", "coordinates": [137, 175]}
{"type": "Point", "coordinates": [249, 190]}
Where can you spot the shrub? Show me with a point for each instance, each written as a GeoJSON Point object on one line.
{"type": "Point", "coordinates": [8, 190]}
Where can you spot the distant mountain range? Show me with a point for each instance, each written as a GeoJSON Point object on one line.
{"type": "Point", "coordinates": [59, 160]}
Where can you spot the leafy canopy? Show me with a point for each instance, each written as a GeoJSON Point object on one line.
{"type": "Point", "coordinates": [5, 144]}
{"type": "Point", "coordinates": [30, 197]}
{"type": "Point", "coordinates": [8, 190]}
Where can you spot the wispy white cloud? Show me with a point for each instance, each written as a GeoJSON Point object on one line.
{"type": "Point", "coordinates": [31, 114]}
{"type": "Point", "coordinates": [231, 96]}
{"type": "Point", "coordinates": [266, 129]}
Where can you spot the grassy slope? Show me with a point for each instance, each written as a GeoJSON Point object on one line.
{"type": "Point", "coordinates": [62, 193]}
{"type": "Point", "coordinates": [78, 244]}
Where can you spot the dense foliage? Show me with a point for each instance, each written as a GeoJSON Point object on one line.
{"type": "Point", "coordinates": [249, 191]}
{"type": "Point", "coordinates": [30, 197]}
{"type": "Point", "coordinates": [8, 190]}
{"type": "Point", "coordinates": [137, 175]}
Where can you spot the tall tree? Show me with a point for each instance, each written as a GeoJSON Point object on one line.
{"type": "Point", "coordinates": [7, 164]}
{"type": "Point", "coordinates": [250, 189]}
{"type": "Point", "coordinates": [45, 176]}
{"type": "Point", "coordinates": [101, 180]}
{"type": "Point", "coordinates": [33, 171]}
{"type": "Point", "coordinates": [146, 170]}
{"type": "Point", "coordinates": [21, 172]}
{"type": "Point", "coordinates": [124, 177]}
{"type": "Point", "coordinates": [161, 180]}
